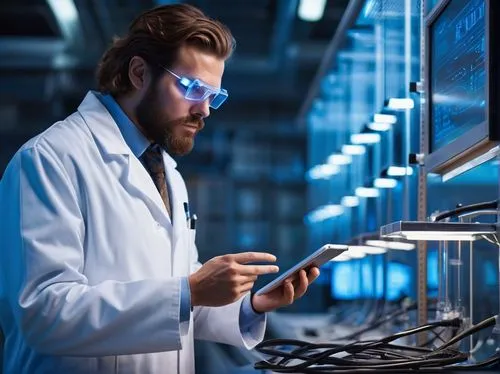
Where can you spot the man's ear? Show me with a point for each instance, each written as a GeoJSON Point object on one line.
{"type": "Point", "coordinates": [138, 73]}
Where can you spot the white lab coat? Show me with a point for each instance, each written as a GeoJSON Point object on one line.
{"type": "Point", "coordinates": [90, 262]}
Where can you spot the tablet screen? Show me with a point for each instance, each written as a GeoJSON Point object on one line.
{"type": "Point", "coordinates": [318, 258]}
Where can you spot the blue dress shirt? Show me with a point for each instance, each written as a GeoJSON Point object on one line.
{"type": "Point", "coordinates": [138, 143]}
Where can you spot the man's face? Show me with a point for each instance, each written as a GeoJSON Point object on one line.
{"type": "Point", "coordinates": [165, 116]}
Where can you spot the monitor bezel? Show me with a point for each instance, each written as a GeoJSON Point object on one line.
{"type": "Point", "coordinates": [484, 136]}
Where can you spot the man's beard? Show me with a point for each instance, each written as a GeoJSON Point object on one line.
{"type": "Point", "coordinates": [162, 130]}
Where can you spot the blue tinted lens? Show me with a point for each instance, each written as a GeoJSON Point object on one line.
{"type": "Point", "coordinates": [219, 99]}
{"type": "Point", "coordinates": [196, 90]}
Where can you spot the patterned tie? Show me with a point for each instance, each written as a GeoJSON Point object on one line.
{"type": "Point", "coordinates": [153, 161]}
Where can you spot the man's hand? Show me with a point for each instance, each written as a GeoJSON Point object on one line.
{"type": "Point", "coordinates": [290, 291]}
{"type": "Point", "coordinates": [224, 279]}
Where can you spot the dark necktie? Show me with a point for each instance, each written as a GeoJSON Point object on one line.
{"type": "Point", "coordinates": [153, 161]}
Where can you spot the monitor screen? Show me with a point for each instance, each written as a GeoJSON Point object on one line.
{"type": "Point", "coordinates": [364, 279]}
{"type": "Point", "coordinates": [345, 281]}
{"type": "Point", "coordinates": [432, 272]}
{"type": "Point", "coordinates": [398, 281]}
{"type": "Point", "coordinates": [489, 273]}
{"type": "Point", "coordinates": [458, 79]}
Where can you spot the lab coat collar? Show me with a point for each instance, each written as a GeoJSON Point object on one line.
{"type": "Point", "coordinates": [109, 139]}
{"type": "Point", "coordinates": [103, 127]}
{"type": "Point", "coordinates": [106, 131]}
{"type": "Point", "coordinates": [134, 138]}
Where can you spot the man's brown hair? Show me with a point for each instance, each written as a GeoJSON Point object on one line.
{"type": "Point", "coordinates": [156, 36]}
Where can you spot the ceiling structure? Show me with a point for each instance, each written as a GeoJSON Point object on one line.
{"type": "Point", "coordinates": [49, 49]}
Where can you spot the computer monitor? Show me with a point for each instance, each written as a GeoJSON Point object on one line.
{"type": "Point", "coordinates": [462, 83]}
{"type": "Point", "coordinates": [432, 272]}
{"type": "Point", "coordinates": [346, 281]}
{"type": "Point", "coordinates": [352, 280]}
{"type": "Point", "coordinates": [398, 281]}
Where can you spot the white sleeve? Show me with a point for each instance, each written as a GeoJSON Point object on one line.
{"type": "Point", "coordinates": [41, 267]}
{"type": "Point", "coordinates": [222, 325]}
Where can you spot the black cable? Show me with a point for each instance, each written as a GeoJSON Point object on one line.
{"type": "Point", "coordinates": [326, 369]}
{"type": "Point", "coordinates": [437, 335]}
{"type": "Point", "coordinates": [495, 359]}
{"type": "Point", "coordinates": [388, 365]}
{"type": "Point", "coordinates": [289, 356]}
{"type": "Point", "coordinates": [474, 328]}
{"type": "Point", "coordinates": [456, 322]}
{"type": "Point", "coordinates": [325, 356]}
{"type": "Point", "coordinates": [467, 208]}
{"type": "Point", "coordinates": [380, 322]}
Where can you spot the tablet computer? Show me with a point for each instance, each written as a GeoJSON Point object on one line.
{"type": "Point", "coordinates": [318, 258]}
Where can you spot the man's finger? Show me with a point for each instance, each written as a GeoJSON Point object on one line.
{"type": "Point", "coordinates": [248, 278]}
{"type": "Point", "coordinates": [244, 288]}
{"type": "Point", "coordinates": [288, 292]}
{"type": "Point", "coordinates": [295, 279]}
{"type": "Point", "coordinates": [246, 257]}
{"type": "Point", "coordinates": [258, 269]}
{"type": "Point", "coordinates": [312, 274]}
{"type": "Point", "coordinates": [301, 288]}
{"type": "Point", "coordinates": [242, 279]}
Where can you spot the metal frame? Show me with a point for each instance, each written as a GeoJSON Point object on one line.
{"type": "Point", "coordinates": [484, 136]}
{"type": "Point", "coordinates": [422, 303]}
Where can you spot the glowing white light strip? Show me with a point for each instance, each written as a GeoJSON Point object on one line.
{"type": "Point", "coordinates": [311, 10]}
{"type": "Point", "coordinates": [350, 201]}
{"type": "Point", "coordinates": [400, 104]}
{"type": "Point", "coordinates": [353, 149]}
{"type": "Point", "coordinates": [323, 171]}
{"type": "Point", "coordinates": [385, 183]}
{"type": "Point", "coordinates": [65, 10]}
{"type": "Point", "coordinates": [367, 192]}
{"type": "Point", "coordinates": [365, 138]}
{"type": "Point", "coordinates": [379, 126]}
{"type": "Point", "coordinates": [399, 171]}
{"type": "Point", "coordinates": [385, 118]}
{"type": "Point", "coordinates": [355, 252]}
{"type": "Point", "coordinates": [434, 235]}
{"type": "Point", "coordinates": [369, 250]}
{"type": "Point", "coordinates": [339, 159]}
{"type": "Point", "coordinates": [391, 245]}
{"type": "Point", "coordinates": [325, 212]}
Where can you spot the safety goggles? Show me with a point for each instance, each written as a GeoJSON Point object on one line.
{"type": "Point", "coordinates": [197, 90]}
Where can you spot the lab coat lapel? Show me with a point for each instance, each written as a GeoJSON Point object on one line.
{"type": "Point", "coordinates": [178, 196]}
{"type": "Point", "coordinates": [132, 175]}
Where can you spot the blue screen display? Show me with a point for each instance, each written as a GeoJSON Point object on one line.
{"type": "Point", "coordinates": [398, 280]}
{"type": "Point", "coordinates": [490, 274]}
{"type": "Point", "coordinates": [345, 281]}
{"type": "Point", "coordinates": [457, 71]}
{"type": "Point", "coordinates": [432, 269]}
{"type": "Point", "coordinates": [356, 279]}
